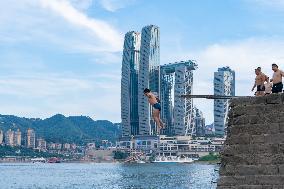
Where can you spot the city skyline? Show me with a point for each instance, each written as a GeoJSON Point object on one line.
{"type": "Point", "coordinates": [73, 54]}
{"type": "Point", "coordinates": [141, 69]}
{"type": "Point", "coordinates": [15, 138]}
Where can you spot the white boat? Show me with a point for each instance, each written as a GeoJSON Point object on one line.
{"type": "Point", "coordinates": [140, 161]}
{"type": "Point", "coordinates": [38, 160]}
{"type": "Point", "coordinates": [172, 159]}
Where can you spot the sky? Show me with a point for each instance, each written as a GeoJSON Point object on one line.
{"type": "Point", "coordinates": [64, 56]}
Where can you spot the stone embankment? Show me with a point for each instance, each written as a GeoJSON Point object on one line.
{"type": "Point", "coordinates": [253, 155]}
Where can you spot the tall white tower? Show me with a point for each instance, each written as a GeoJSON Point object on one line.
{"type": "Point", "coordinates": [149, 76]}
{"type": "Point", "coordinates": [224, 84]}
{"type": "Point", "coordinates": [129, 84]}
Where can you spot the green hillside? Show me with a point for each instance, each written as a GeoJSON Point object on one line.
{"type": "Point", "coordinates": [58, 128]}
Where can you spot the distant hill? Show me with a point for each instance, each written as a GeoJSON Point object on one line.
{"type": "Point", "coordinates": [58, 128]}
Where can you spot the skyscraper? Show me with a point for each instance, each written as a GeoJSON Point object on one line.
{"type": "Point", "coordinates": [199, 123]}
{"type": "Point", "coordinates": [18, 138]}
{"type": "Point", "coordinates": [30, 138]}
{"type": "Point", "coordinates": [129, 84]}
{"type": "Point", "coordinates": [149, 76]}
{"type": "Point", "coordinates": [9, 138]}
{"type": "Point", "coordinates": [177, 112]}
{"type": "Point", "coordinates": [1, 136]}
{"type": "Point", "coordinates": [224, 84]}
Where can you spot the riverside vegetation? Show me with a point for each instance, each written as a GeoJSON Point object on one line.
{"type": "Point", "coordinates": [61, 129]}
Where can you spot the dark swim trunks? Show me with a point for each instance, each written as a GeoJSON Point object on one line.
{"type": "Point", "coordinates": [157, 106]}
{"type": "Point", "coordinates": [260, 88]}
{"type": "Point", "coordinates": [277, 88]}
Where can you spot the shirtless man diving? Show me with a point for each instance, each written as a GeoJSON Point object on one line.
{"type": "Point", "coordinates": [277, 79]}
{"type": "Point", "coordinates": [154, 101]}
{"type": "Point", "coordinates": [259, 82]}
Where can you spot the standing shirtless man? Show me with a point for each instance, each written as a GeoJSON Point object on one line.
{"type": "Point", "coordinates": [154, 101]}
{"type": "Point", "coordinates": [259, 82]}
{"type": "Point", "coordinates": [277, 79]}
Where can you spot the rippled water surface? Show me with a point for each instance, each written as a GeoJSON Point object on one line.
{"type": "Point", "coordinates": [107, 176]}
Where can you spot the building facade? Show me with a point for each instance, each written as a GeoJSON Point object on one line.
{"type": "Point", "coordinates": [67, 146]}
{"type": "Point", "coordinates": [224, 84]}
{"type": "Point", "coordinates": [129, 84]}
{"type": "Point", "coordinates": [199, 123]}
{"type": "Point", "coordinates": [149, 76]}
{"type": "Point", "coordinates": [41, 144]}
{"type": "Point", "coordinates": [30, 139]}
{"type": "Point", "coordinates": [9, 138]}
{"type": "Point", "coordinates": [177, 112]}
{"type": "Point", "coordinates": [18, 138]}
{"type": "Point", "coordinates": [1, 137]}
{"type": "Point", "coordinates": [141, 143]}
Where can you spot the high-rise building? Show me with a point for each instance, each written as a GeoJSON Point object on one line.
{"type": "Point", "coordinates": [1, 136]}
{"type": "Point", "coordinates": [41, 144]}
{"type": "Point", "coordinates": [224, 84]}
{"type": "Point", "coordinates": [30, 138]}
{"type": "Point", "coordinates": [177, 112]}
{"type": "Point", "coordinates": [18, 138]}
{"type": "Point", "coordinates": [129, 84]}
{"type": "Point", "coordinates": [9, 138]}
{"type": "Point", "coordinates": [149, 76]}
{"type": "Point", "coordinates": [199, 123]}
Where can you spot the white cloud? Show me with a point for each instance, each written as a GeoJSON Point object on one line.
{"type": "Point", "coordinates": [275, 4]}
{"type": "Point", "coordinates": [44, 95]}
{"type": "Point", "coordinates": [100, 28]}
{"type": "Point", "coordinates": [114, 5]}
{"type": "Point", "coordinates": [82, 4]}
{"type": "Point", "coordinates": [56, 22]}
{"type": "Point", "coordinates": [30, 32]}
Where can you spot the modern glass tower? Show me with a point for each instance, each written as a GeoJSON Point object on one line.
{"type": "Point", "coordinates": [129, 84]}
{"type": "Point", "coordinates": [177, 112]}
{"type": "Point", "coordinates": [224, 84]}
{"type": "Point", "coordinates": [149, 76]}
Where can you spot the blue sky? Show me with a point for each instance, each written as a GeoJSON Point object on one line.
{"type": "Point", "coordinates": [64, 56]}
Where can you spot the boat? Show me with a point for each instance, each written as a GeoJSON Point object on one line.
{"type": "Point", "coordinates": [54, 160]}
{"type": "Point", "coordinates": [38, 160]}
{"type": "Point", "coordinates": [172, 159]}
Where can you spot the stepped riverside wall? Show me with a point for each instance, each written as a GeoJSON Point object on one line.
{"type": "Point", "coordinates": [253, 155]}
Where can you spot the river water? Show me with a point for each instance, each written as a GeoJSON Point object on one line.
{"type": "Point", "coordinates": [107, 176]}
